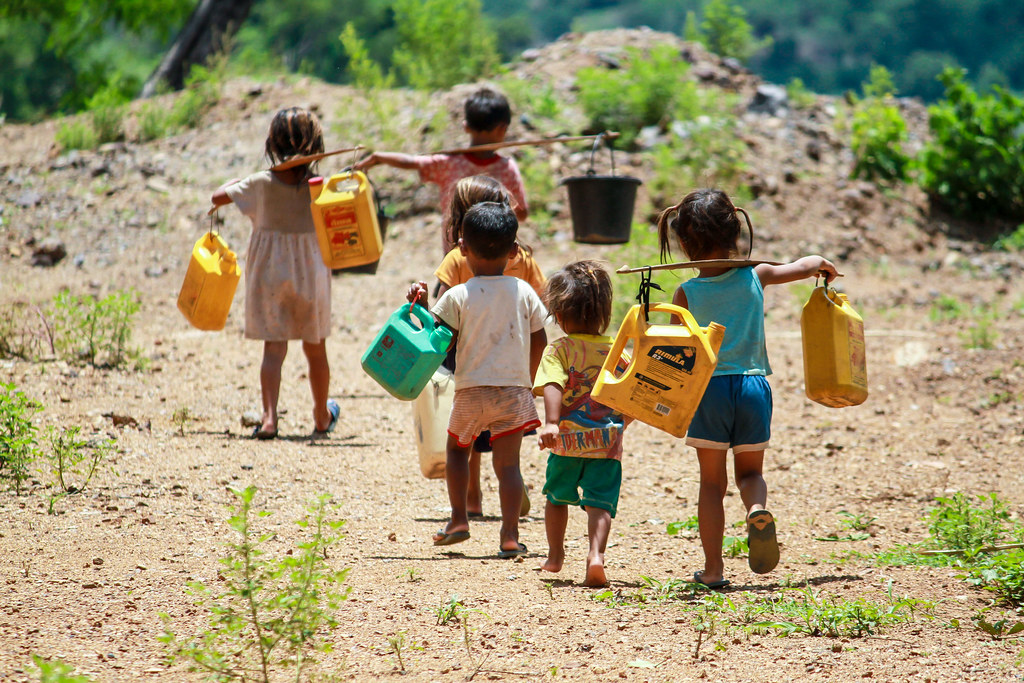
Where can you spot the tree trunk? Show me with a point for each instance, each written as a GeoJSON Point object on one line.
{"type": "Point", "coordinates": [202, 36]}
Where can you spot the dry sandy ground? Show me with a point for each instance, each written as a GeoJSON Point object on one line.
{"type": "Point", "coordinates": [87, 585]}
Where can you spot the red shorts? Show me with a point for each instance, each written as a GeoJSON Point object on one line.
{"type": "Point", "coordinates": [502, 410]}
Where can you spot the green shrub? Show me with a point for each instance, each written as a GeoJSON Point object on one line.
{"type": "Point", "coordinates": [266, 614]}
{"type": "Point", "coordinates": [956, 523]}
{"type": "Point", "coordinates": [18, 446]}
{"type": "Point", "coordinates": [202, 90]}
{"type": "Point", "coordinates": [1012, 242]}
{"type": "Point", "coordinates": [726, 31]}
{"type": "Point", "coordinates": [57, 671]}
{"type": "Point", "coordinates": [106, 112]}
{"type": "Point", "coordinates": [799, 95]}
{"type": "Point", "coordinates": [643, 93]}
{"type": "Point", "coordinates": [364, 72]}
{"type": "Point", "coordinates": [442, 42]}
{"type": "Point", "coordinates": [77, 134]}
{"type": "Point", "coordinates": [96, 331]}
{"type": "Point", "coordinates": [974, 164]}
{"type": "Point", "coordinates": [154, 122]}
{"type": "Point", "coordinates": [878, 131]}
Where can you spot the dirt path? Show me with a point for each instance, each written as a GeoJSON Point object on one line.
{"type": "Point", "coordinates": [88, 584]}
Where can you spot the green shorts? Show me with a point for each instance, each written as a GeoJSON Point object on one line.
{"type": "Point", "coordinates": [600, 479]}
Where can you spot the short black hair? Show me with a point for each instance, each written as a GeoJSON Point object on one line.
{"type": "Point", "coordinates": [487, 109]}
{"type": "Point", "coordinates": [489, 230]}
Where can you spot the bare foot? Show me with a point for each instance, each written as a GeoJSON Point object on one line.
{"type": "Point", "coordinates": [551, 565]}
{"type": "Point", "coordinates": [595, 574]}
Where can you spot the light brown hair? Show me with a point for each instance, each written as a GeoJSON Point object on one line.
{"type": "Point", "coordinates": [581, 294]}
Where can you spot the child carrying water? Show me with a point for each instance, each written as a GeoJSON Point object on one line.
{"type": "Point", "coordinates": [585, 437]}
{"type": "Point", "coordinates": [287, 285]}
{"type": "Point", "coordinates": [736, 409]}
{"type": "Point", "coordinates": [498, 321]}
{"type": "Point", "coordinates": [454, 270]}
{"type": "Point", "coordinates": [487, 117]}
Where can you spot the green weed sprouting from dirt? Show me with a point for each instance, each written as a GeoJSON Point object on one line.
{"type": "Point", "coordinates": [71, 456]}
{"type": "Point", "coordinates": [396, 643]}
{"type": "Point", "coordinates": [181, 417]}
{"type": "Point", "coordinates": [23, 331]}
{"type": "Point", "coordinates": [690, 524]}
{"type": "Point", "coordinates": [95, 331]}
{"type": "Point", "coordinates": [958, 524]}
{"type": "Point", "coordinates": [57, 671]}
{"type": "Point", "coordinates": [268, 616]}
{"type": "Point", "coordinates": [809, 613]}
{"type": "Point", "coordinates": [18, 446]}
{"type": "Point", "coordinates": [450, 611]}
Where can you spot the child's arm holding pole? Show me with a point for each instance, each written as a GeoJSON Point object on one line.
{"type": "Point", "coordinates": [396, 159]}
{"type": "Point", "coordinates": [805, 267]}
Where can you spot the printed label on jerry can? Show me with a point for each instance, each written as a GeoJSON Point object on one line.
{"type": "Point", "coordinates": [858, 360]}
{"type": "Point", "coordinates": [664, 368]}
{"type": "Point", "coordinates": [342, 229]}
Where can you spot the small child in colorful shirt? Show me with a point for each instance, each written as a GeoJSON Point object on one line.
{"type": "Point", "coordinates": [584, 436]}
{"type": "Point", "coordinates": [488, 116]}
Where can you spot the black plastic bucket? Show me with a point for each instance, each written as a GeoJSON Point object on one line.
{"type": "Point", "coordinates": [601, 206]}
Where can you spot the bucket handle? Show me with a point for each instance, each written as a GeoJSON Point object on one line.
{"type": "Point", "coordinates": [593, 150]}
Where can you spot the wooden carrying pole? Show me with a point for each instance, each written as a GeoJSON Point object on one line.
{"type": "Point", "coordinates": [607, 135]}
{"type": "Point", "coordinates": [711, 263]}
{"type": "Point", "coordinates": [310, 158]}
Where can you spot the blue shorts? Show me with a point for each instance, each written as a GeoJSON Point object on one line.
{"type": "Point", "coordinates": [735, 412]}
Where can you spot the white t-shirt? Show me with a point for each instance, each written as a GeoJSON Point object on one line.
{"type": "Point", "coordinates": [494, 316]}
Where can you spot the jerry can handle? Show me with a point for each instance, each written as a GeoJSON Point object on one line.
{"type": "Point", "coordinates": [619, 345]}
{"type": "Point", "coordinates": [831, 293]}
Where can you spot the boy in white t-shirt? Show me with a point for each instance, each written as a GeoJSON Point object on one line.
{"type": "Point", "coordinates": [499, 322]}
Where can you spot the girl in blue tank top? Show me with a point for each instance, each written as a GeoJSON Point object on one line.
{"type": "Point", "coordinates": [736, 409]}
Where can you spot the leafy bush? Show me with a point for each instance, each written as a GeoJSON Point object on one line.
{"type": "Point", "coordinates": [365, 73]}
{"type": "Point", "coordinates": [442, 42]}
{"type": "Point", "coordinates": [96, 331]}
{"type": "Point", "coordinates": [799, 95]}
{"type": "Point", "coordinates": [202, 90]}
{"type": "Point", "coordinates": [265, 614]}
{"type": "Point", "coordinates": [878, 131]}
{"type": "Point", "coordinates": [77, 134]}
{"type": "Point", "coordinates": [1013, 241]}
{"type": "Point", "coordinates": [642, 93]}
{"type": "Point", "coordinates": [957, 524]}
{"type": "Point", "coordinates": [974, 164]}
{"type": "Point", "coordinates": [57, 671]}
{"type": "Point", "coordinates": [726, 31]}
{"type": "Point", "coordinates": [106, 113]}
{"type": "Point", "coordinates": [18, 447]}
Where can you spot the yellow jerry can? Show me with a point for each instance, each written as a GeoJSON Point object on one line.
{"type": "Point", "coordinates": [210, 283]}
{"type": "Point", "coordinates": [345, 216]}
{"type": "Point", "coordinates": [835, 363]}
{"type": "Point", "coordinates": [669, 370]}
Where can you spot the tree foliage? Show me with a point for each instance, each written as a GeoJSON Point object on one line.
{"type": "Point", "coordinates": [442, 42]}
{"type": "Point", "coordinates": [974, 165]}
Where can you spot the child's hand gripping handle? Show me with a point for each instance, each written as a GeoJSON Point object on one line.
{"type": "Point", "coordinates": [417, 293]}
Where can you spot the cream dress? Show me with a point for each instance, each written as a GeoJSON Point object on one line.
{"type": "Point", "coordinates": [287, 285]}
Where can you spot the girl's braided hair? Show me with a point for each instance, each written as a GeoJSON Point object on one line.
{"type": "Point", "coordinates": [705, 222]}
{"type": "Point", "coordinates": [581, 294]}
{"type": "Point", "coordinates": [294, 132]}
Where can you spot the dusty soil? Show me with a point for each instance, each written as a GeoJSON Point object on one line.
{"type": "Point", "coordinates": [87, 585]}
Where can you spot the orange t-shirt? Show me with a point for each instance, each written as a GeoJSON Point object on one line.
{"type": "Point", "coordinates": [454, 270]}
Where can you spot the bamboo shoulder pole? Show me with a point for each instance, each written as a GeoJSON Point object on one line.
{"type": "Point", "coordinates": [310, 158]}
{"type": "Point", "coordinates": [609, 135]}
{"type": "Point", "coordinates": [711, 263]}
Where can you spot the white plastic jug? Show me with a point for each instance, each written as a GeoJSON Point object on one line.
{"type": "Point", "coordinates": [430, 412]}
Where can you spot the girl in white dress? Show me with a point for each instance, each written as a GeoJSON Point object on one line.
{"type": "Point", "coordinates": [287, 285]}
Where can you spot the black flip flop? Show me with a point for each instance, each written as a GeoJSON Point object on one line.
{"type": "Point", "coordinates": [721, 583]}
{"type": "Point", "coordinates": [263, 436]}
{"type": "Point", "coordinates": [515, 552]}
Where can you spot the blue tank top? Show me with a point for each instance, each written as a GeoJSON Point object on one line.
{"type": "Point", "coordinates": [734, 299]}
